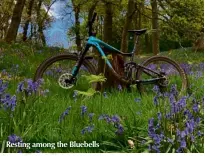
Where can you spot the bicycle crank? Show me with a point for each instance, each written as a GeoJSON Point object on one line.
{"type": "Point", "coordinates": [65, 81]}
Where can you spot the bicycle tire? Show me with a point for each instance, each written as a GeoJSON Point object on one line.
{"type": "Point", "coordinates": [59, 57]}
{"type": "Point", "coordinates": [182, 74]}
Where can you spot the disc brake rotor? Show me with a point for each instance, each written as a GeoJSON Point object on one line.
{"type": "Point", "coordinates": [65, 82]}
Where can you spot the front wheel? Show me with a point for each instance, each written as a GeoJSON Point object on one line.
{"type": "Point", "coordinates": [167, 68]}
{"type": "Point", "coordinates": [56, 71]}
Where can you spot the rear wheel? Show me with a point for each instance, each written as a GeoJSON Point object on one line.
{"type": "Point", "coordinates": [169, 69]}
{"type": "Point", "coordinates": [56, 71]}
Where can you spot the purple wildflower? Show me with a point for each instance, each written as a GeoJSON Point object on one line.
{"type": "Point", "coordinates": [3, 87]}
{"type": "Point", "coordinates": [115, 119]}
{"type": "Point", "coordinates": [156, 148]}
{"type": "Point", "coordinates": [156, 89]}
{"type": "Point", "coordinates": [90, 115]}
{"type": "Point", "coordinates": [119, 87]}
{"type": "Point", "coordinates": [179, 150]}
{"type": "Point", "coordinates": [199, 133]}
{"type": "Point", "coordinates": [20, 87]}
{"type": "Point", "coordinates": [66, 112]}
{"type": "Point", "coordinates": [159, 116]}
{"type": "Point", "coordinates": [87, 129]}
{"type": "Point", "coordinates": [105, 95]}
{"type": "Point", "coordinates": [156, 102]}
{"type": "Point", "coordinates": [195, 108]}
{"type": "Point", "coordinates": [83, 110]}
{"type": "Point", "coordinates": [119, 130]}
{"type": "Point", "coordinates": [30, 87]}
{"type": "Point", "coordinates": [183, 143]}
{"type": "Point", "coordinates": [174, 90]}
{"type": "Point", "coordinates": [192, 138]}
{"type": "Point", "coordinates": [9, 102]}
{"type": "Point", "coordinates": [14, 138]}
{"type": "Point", "coordinates": [183, 134]}
{"type": "Point", "coordinates": [198, 119]}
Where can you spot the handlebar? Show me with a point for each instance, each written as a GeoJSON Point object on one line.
{"type": "Point", "coordinates": [90, 24]}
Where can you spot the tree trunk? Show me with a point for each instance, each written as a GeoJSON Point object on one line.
{"type": "Point", "coordinates": [29, 12]}
{"type": "Point", "coordinates": [139, 25]}
{"type": "Point", "coordinates": [4, 25]}
{"type": "Point", "coordinates": [40, 22]}
{"type": "Point", "coordinates": [117, 61]}
{"type": "Point", "coordinates": [15, 21]}
{"type": "Point", "coordinates": [77, 28]}
{"type": "Point", "coordinates": [155, 34]}
{"type": "Point", "coordinates": [129, 15]}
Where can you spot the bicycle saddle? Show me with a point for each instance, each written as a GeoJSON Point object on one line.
{"type": "Point", "coordinates": [138, 32]}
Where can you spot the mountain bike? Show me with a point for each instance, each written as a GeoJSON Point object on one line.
{"type": "Point", "coordinates": [156, 70]}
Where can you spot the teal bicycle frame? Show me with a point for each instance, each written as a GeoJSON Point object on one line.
{"type": "Point", "coordinates": [97, 43]}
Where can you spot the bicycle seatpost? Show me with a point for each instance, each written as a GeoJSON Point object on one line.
{"type": "Point", "coordinates": [135, 48]}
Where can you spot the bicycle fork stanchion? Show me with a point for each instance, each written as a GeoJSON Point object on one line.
{"type": "Point", "coordinates": [79, 62]}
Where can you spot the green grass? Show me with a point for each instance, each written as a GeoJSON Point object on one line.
{"type": "Point", "coordinates": [37, 117]}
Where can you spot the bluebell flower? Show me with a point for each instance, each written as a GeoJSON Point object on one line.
{"type": "Point", "coordinates": [83, 110]}
{"type": "Point", "coordinates": [156, 148]}
{"type": "Point", "coordinates": [115, 119]}
{"type": "Point", "coordinates": [105, 117]}
{"type": "Point", "coordinates": [159, 116]}
{"type": "Point", "coordinates": [90, 115]}
{"type": "Point", "coordinates": [198, 119]}
{"type": "Point", "coordinates": [190, 125]}
{"type": "Point", "coordinates": [30, 87]}
{"type": "Point", "coordinates": [119, 87]}
{"type": "Point", "coordinates": [66, 112]}
{"type": "Point", "coordinates": [174, 90]}
{"type": "Point", "coordinates": [156, 102]}
{"type": "Point", "coordinates": [172, 99]}
{"type": "Point", "coordinates": [3, 87]}
{"type": "Point", "coordinates": [20, 87]}
{"type": "Point", "coordinates": [49, 73]}
{"type": "Point", "coordinates": [156, 89]}
{"type": "Point", "coordinates": [178, 133]}
{"type": "Point", "coordinates": [179, 150]}
{"type": "Point", "coordinates": [14, 138]}
{"type": "Point", "coordinates": [183, 134]}
{"type": "Point", "coordinates": [9, 102]}
{"type": "Point", "coordinates": [192, 138]}
{"type": "Point", "coordinates": [105, 95]}
{"type": "Point", "coordinates": [119, 130]}
{"type": "Point", "coordinates": [87, 129]}
{"type": "Point", "coordinates": [183, 143]}
{"type": "Point", "coordinates": [188, 114]}
{"type": "Point", "coordinates": [137, 99]}
{"type": "Point", "coordinates": [199, 133]}
{"type": "Point", "coordinates": [195, 108]}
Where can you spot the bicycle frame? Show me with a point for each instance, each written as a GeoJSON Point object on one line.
{"type": "Point", "coordinates": [97, 43]}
